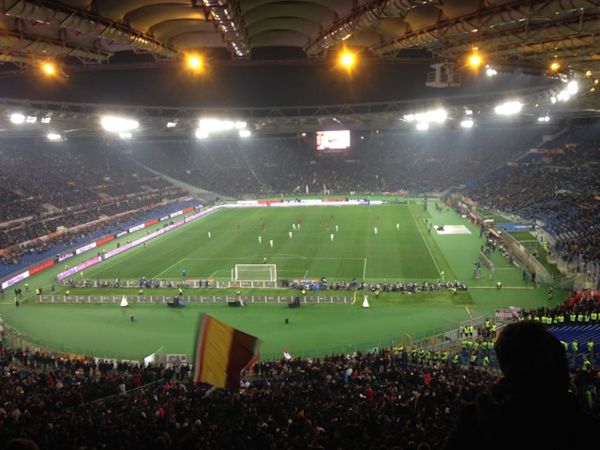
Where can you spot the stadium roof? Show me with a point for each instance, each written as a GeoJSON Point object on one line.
{"type": "Point", "coordinates": [526, 32]}
{"type": "Point", "coordinates": [521, 36]}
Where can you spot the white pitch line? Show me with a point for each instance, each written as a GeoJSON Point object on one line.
{"type": "Point", "coordinates": [364, 268]}
{"type": "Point", "coordinates": [305, 274]}
{"type": "Point", "coordinates": [503, 287]}
{"type": "Point", "coordinates": [168, 268]}
{"type": "Point", "coordinates": [426, 246]}
{"type": "Point", "coordinates": [212, 274]}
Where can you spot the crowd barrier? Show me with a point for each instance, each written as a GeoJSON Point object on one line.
{"type": "Point", "coordinates": [189, 299]}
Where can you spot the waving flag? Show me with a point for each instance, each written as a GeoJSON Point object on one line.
{"type": "Point", "coordinates": [222, 352]}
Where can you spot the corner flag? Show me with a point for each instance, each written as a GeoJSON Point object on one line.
{"type": "Point", "coordinates": [222, 352]}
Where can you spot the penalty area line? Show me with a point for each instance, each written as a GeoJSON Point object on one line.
{"type": "Point", "coordinates": [168, 268]}
{"type": "Point", "coordinates": [425, 242]}
{"type": "Point", "coordinates": [364, 268]}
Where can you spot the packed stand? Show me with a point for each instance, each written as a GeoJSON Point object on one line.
{"type": "Point", "coordinates": [68, 185]}
{"type": "Point", "coordinates": [557, 187]}
{"type": "Point", "coordinates": [396, 398]}
{"type": "Point", "coordinates": [375, 162]}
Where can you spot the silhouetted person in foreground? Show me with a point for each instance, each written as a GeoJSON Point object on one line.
{"type": "Point", "coordinates": [531, 407]}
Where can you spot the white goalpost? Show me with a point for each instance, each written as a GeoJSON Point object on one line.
{"type": "Point", "coordinates": [254, 272]}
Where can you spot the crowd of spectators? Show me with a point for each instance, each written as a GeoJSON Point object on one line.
{"type": "Point", "coordinates": [53, 189]}
{"type": "Point", "coordinates": [556, 187]}
{"type": "Point", "coordinates": [389, 398]}
{"type": "Point", "coordinates": [47, 186]}
{"type": "Point", "coordinates": [376, 162]}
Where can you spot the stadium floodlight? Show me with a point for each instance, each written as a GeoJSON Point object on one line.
{"type": "Point", "coordinates": [544, 119]}
{"type": "Point", "coordinates": [194, 62]}
{"type": "Point", "coordinates": [572, 87]}
{"type": "Point", "coordinates": [563, 96]}
{"type": "Point", "coordinates": [467, 123]}
{"type": "Point", "coordinates": [239, 125]}
{"type": "Point", "coordinates": [201, 134]}
{"type": "Point", "coordinates": [245, 133]}
{"type": "Point", "coordinates": [17, 118]}
{"type": "Point", "coordinates": [468, 112]}
{"type": "Point", "coordinates": [422, 126]}
{"type": "Point", "coordinates": [171, 124]}
{"type": "Point", "coordinates": [347, 60]}
{"type": "Point", "coordinates": [45, 119]}
{"type": "Point", "coordinates": [475, 60]}
{"type": "Point", "coordinates": [434, 116]}
{"type": "Point", "coordinates": [48, 69]}
{"type": "Point", "coordinates": [490, 71]}
{"type": "Point", "coordinates": [116, 124]}
{"type": "Point", "coordinates": [30, 119]}
{"type": "Point", "coordinates": [509, 108]}
{"type": "Point", "coordinates": [210, 125]}
{"type": "Point", "coordinates": [54, 137]}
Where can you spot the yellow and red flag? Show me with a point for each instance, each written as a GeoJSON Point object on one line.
{"type": "Point", "coordinates": [222, 352]}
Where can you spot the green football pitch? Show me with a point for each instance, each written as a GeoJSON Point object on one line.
{"type": "Point", "coordinates": [403, 248]}
{"type": "Point", "coordinates": [397, 252]}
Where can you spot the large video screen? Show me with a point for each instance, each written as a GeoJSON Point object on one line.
{"type": "Point", "coordinates": [333, 140]}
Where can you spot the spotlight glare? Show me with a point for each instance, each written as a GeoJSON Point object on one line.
{"type": "Point", "coordinates": [491, 72]}
{"type": "Point", "coordinates": [17, 118]}
{"type": "Point", "coordinates": [467, 123]}
{"type": "Point", "coordinates": [45, 119]}
{"type": "Point", "coordinates": [201, 134]}
{"type": "Point", "coordinates": [422, 126]}
{"type": "Point", "coordinates": [509, 108]}
{"type": "Point", "coordinates": [48, 69]}
{"type": "Point", "coordinates": [544, 119]}
{"type": "Point", "coordinates": [347, 60]}
{"type": "Point", "coordinates": [171, 124]}
{"type": "Point", "coordinates": [125, 135]}
{"type": "Point", "coordinates": [475, 60]}
{"type": "Point", "coordinates": [115, 124]}
{"type": "Point", "coordinates": [563, 96]}
{"type": "Point", "coordinates": [572, 87]}
{"type": "Point", "coordinates": [588, 74]}
{"type": "Point", "coordinates": [245, 133]}
{"type": "Point", "coordinates": [555, 66]}
{"type": "Point", "coordinates": [30, 119]}
{"type": "Point", "coordinates": [194, 62]}
{"type": "Point", "coordinates": [54, 137]}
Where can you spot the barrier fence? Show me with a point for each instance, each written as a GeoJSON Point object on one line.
{"type": "Point", "coordinates": [166, 284]}
{"type": "Point", "coordinates": [188, 299]}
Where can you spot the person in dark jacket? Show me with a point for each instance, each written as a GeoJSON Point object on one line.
{"type": "Point", "coordinates": [531, 406]}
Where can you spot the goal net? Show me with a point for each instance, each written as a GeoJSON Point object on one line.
{"type": "Point", "coordinates": [255, 272]}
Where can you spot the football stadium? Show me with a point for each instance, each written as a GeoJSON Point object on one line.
{"type": "Point", "coordinates": [272, 224]}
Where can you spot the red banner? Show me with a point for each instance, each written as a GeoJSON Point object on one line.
{"type": "Point", "coordinates": [269, 202]}
{"type": "Point", "coordinates": [151, 222]}
{"type": "Point", "coordinates": [187, 210]}
{"type": "Point", "coordinates": [41, 267]}
{"type": "Point", "coordinates": [104, 240]}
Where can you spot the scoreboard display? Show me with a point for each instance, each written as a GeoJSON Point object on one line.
{"type": "Point", "coordinates": [333, 140]}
